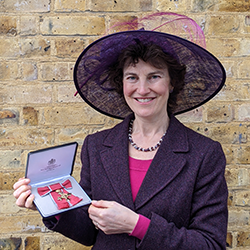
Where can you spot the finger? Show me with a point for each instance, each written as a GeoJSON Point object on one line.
{"type": "Point", "coordinates": [90, 208]}
{"type": "Point", "coordinates": [30, 202]}
{"type": "Point", "coordinates": [18, 183]}
{"type": "Point", "coordinates": [21, 182]}
{"type": "Point", "coordinates": [20, 190]}
{"type": "Point", "coordinates": [21, 199]}
{"type": "Point", "coordinates": [96, 212]}
{"type": "Point", "coordinates": [93, 212]}
{"type": "Point", "coordinates": [26, 199]}
{"type": "Point", "coordinates": [102, 203]}
{"type": "Point", "coordinates": [95, 223]}
{"type": "Point", "coordinates": [93, 217]}
{"type": "Point", "coordinates": [96, 215]}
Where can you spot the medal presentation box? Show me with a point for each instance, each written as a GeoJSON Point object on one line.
{"type": "Point", "coordinates": [49, 171]}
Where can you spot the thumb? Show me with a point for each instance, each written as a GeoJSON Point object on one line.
{"type": "Point", "coordinates": [101, 203]}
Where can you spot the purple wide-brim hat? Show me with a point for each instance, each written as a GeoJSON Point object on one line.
{"type": "Point", "coordinates": [205, 75]}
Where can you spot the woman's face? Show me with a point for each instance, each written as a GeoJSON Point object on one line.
{"type": "Point", "coordinates": [146, 90]}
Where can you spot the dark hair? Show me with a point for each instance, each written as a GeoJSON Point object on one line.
{"type": "Point", "coordinates": [154, 55]}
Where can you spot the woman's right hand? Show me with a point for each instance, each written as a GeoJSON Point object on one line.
{"type": "Point", "coordinates": [22, 193]}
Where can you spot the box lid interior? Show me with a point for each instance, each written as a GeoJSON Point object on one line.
{"type": "Point", "coordinates": [51, 163]}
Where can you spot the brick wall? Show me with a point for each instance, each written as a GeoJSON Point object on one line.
{"type": "Point", "coordinates": [39, 43]}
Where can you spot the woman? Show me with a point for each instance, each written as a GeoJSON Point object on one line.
{"type": "Point", "coordinates": [155, 184]}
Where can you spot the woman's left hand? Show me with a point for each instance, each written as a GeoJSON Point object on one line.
{"type": "Point", "coordinates": [112, 217]}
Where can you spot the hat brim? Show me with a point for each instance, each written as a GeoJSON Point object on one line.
{"type": "Point", "coordinates": [205, 75]}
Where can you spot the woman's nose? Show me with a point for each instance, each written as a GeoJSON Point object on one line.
{"type": "Point", "coordinates": [143, 87]}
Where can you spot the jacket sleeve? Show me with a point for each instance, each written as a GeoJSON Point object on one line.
{"type": "Point", "coordinates": [76, 224]}
{"type": "Point", "coordinates": [208, 219]}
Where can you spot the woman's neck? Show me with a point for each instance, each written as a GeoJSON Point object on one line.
{"type": "Point", "coordinates": [150, 127]}
{"type": "Point", "coordinates": [147, 133]}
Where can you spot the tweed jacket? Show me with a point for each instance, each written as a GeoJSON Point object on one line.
{"type": "Point", "coordinates": [184, 192]}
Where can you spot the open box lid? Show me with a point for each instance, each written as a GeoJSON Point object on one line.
{"type": "Point", "coordinates": [50, 163]}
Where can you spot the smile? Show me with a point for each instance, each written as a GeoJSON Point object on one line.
{"type": "Point", "coordinates": [144, 99]}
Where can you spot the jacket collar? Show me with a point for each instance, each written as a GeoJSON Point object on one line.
{"type": "Point", "coordinates": [176, 136]}
{"type": "Point", "coordinates": [165, 166]}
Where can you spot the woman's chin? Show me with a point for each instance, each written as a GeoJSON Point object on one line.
{"type": "Point", "coordinates": [146, 115]}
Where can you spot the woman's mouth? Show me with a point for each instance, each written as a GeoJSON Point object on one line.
{"type": "Point", "coordinates": [144, 99]}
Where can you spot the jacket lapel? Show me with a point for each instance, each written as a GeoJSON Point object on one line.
{"type": "Point", "coordinates": [166, 165]}
{"type": "Point", "coordinates": [115, 162]}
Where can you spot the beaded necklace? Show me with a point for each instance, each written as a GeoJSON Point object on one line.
{"type": "Point", "coordinates": [140, 148]}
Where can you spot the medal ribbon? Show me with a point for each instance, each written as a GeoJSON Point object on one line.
{"type": "Point", "coordinates": [60, 195]}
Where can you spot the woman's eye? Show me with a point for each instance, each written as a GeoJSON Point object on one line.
{"type": "Point", "coordinates": [131, 78]}
{"type": "Point", "coordinates": [155, 76]}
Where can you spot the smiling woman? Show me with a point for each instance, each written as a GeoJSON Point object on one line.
{"type": "Point", "coordinates": [154, 183]}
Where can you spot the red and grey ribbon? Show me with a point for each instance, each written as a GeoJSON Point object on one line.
{"type": "Point", "coordinates": [60, 195]}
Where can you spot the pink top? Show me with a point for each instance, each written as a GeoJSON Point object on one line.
{"type": "Point", "coordinates": [138, 169]}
